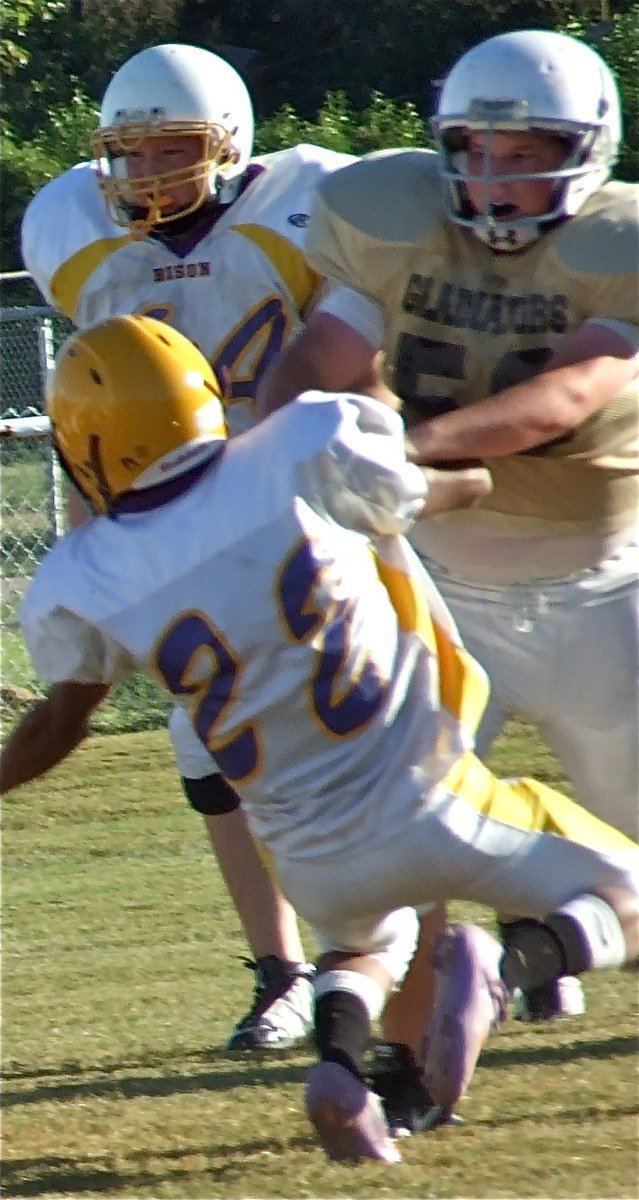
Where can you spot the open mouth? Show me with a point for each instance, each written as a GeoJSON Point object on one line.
{"type": "Point", "coordinates": [501, 212]}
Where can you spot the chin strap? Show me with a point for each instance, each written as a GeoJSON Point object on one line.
{"type": "Point", "coordinates": [142, 220]}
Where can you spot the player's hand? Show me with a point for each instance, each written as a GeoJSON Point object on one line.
{"type": "Point", "coordinates": [456, 488]}
{"type": "Point", "coordinates": [443, 464]}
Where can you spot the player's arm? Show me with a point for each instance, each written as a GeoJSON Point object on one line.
{"type": "Point", "coordinates": [49, 732]}
{"type": "Point", "coordinates": [592, 365]}
{"type": "Point", "coordinates": [332, 356]}
{"type": "Point", "coordinates": [78, 511]}
{"type": "Point", "coordinates": [329, 354]}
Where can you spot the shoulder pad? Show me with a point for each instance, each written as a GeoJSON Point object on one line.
{"type": "Point", "coordinates": [602, 238]}
{"type": "Point", "coordinates": [305, 155]}
{"type": "Point", "coordinates": [281, 195]}
{"type": "Point", "coordinates": [65, 216]}
{"type": "Point", "coordinates": [391, 195]}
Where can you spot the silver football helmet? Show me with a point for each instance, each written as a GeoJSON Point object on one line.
{"type": "Point", "coordinates": [528, 80]}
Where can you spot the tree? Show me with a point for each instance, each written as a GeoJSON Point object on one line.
{"type": "Point", "coordinates": [337, 126]}
{"type": "Point", "coordinates": [617, 40]}
{"type": "Point", "coordinates": [317, 73]}
{"type": "Point", "coordinates": [59, 50]}
{"type": "Point", "coordinates": [17, 16]}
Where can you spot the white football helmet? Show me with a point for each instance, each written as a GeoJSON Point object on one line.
{"type": "Point", "coordinates": [530, 80]}
{"type": "Point", "coordinates": [172, 89]}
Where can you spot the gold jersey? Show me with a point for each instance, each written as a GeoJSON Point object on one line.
{"type": "Point", "coordinates": [462, 322]}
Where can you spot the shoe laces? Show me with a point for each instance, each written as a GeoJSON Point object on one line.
{"type": "Point", "coordinates": [273, 978]}
{"type": "Point", "coordinates": [396, 1077]}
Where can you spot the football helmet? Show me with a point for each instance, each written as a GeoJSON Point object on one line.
{"type": "Point", "coordinates": [532, 81]}
{"type": "Point", "coordinates": [132, 403]}
{"type": "Point", "coordinates": [172, 89]}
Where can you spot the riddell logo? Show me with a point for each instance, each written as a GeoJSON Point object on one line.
{"type": "Point", "coordinates": [185, 456]}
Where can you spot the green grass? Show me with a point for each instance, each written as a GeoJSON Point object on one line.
{"type": "Point", "coordinates": [123, 976]}
{"type": "Point", "coordinates": [136, 705]}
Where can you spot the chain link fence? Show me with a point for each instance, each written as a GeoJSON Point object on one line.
{"type": "Point", "coordinates": [32, 505]}
{"type": "Point", "coordinates": [32, 489]}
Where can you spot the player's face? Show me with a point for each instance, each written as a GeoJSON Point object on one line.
{"type": "Point", "coordinates": [512, 155]}
{"type": "Point", "coordinates": [163, 153]}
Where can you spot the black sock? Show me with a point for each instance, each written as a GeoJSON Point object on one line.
{"type": "Point", "coordinates": [342, 1030]}
{"type": "Point", "coordinates": [533, 954]}
{"type": "Point", "coordinates": [573, 941]}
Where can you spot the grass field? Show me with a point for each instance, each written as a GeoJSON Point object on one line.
{"type": "Point", "coordinates": [123, 975]}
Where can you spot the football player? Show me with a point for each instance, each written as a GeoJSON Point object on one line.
{"type": "Point", "coordinates": [369, 803]}
{"type": "Point", "coordinates": [174, 218]}
{"type": "Point", "coordinates": [504, 270]}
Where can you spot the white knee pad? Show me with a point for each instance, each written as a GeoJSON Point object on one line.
{"type": "Point", "coordinates": [192, 758]}
{"type": "Point", "coordinates": [600, 927]}
{"type": "Point", "coordinates": [391, 940]}
{"type": "Point", "coordinates": [401, 930]}
{"type": "Point", "coordinates": [368, 990]}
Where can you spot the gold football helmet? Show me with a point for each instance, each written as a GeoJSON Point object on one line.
{"type": "Point", "coordinates": [132, 403]}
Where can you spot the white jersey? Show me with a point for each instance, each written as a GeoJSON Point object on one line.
{"type": "Point", "coordinates": [255, 597]}
{"type": "Point", "coordinates": [239, 286]}
{"type": "Point", "coordinates": [239, 290]}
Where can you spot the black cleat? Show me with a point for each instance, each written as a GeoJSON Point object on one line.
{"type": "Point", "coordinates": [562, 997]}
{"type": "Point", "coordinates": [407, 1103]}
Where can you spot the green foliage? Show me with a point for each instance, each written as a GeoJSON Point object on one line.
{"type": "Point", "coordinates": [618, 42]}
{"type": "Point", "coordinates": [66, 54]}
{"type": "Point", "coordinates": [136, 705]}
{"type": "Point", "coordinates": [25, 168]}
{"type": "Point", "coordinates": [68, 129]}
{"type": "Point", "coordinates": [340, 82]}
{"type": "Point", "coordinates": [382, 124]}
{"type": "Point", "coordinates": [17, 16]}
{"type": "Point", "coordinates": [387, 123]}
{"type": "Point", "coordinates": [63, 140]}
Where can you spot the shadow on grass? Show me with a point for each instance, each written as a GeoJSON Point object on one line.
{"type": "Point", "coordinates": [564, 1116]}
{"type": "Point", "coordinates": [157, 1059]}
{"type": "Point", "coordinates": [40, 1176]}
{"type": "Point", "coordinates": [230, 1074]}
{"type": "Point", "coordinates": [226, 1072]}
{"type": "Point", "coordinates": [225, 1163]}
{"type": "Point", "coordinates": [513, 1056]}
{"type": "Point", "coordinates": [222, 1165]}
